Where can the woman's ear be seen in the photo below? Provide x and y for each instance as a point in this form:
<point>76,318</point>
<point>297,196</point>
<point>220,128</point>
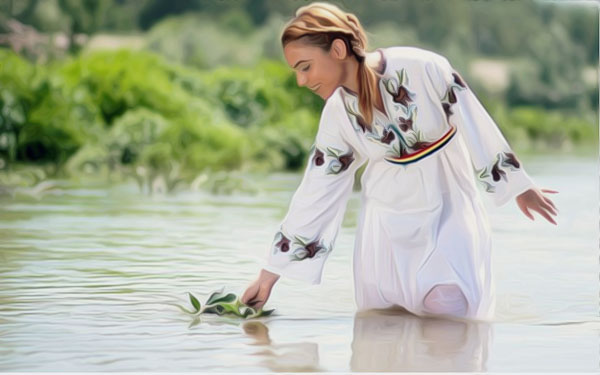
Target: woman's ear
<point>338,49</point>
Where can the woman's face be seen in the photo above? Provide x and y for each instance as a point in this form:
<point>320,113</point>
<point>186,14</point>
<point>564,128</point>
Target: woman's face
<point>319,70</point>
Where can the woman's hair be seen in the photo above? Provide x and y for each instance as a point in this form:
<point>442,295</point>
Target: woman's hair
<point>319,24</point>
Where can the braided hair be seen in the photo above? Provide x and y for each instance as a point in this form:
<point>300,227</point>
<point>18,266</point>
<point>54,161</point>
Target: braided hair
<point>319,24</point>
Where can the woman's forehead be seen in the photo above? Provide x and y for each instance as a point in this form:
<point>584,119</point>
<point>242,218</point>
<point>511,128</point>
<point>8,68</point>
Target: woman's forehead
<point>295,52</point>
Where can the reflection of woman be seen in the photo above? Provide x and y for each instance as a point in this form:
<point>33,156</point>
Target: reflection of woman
<point>423,240</point>
<point>386,341</point>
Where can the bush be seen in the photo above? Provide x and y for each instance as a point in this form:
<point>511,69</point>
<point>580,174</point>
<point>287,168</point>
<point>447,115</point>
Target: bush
<point>132,114</point>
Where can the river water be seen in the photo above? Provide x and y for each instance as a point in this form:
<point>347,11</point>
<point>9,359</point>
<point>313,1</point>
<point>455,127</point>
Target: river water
<point>90,277</point>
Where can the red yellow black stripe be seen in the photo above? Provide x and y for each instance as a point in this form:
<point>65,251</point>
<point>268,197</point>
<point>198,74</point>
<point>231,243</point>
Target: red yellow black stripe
<point>418,155</point>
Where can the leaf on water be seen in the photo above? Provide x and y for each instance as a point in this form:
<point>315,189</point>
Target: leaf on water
<point>266,312</point>
<point>217,297</point>
<point>220,303</point>
<point>222,308</point>
<point>195,302</point>
<point>248,311</point>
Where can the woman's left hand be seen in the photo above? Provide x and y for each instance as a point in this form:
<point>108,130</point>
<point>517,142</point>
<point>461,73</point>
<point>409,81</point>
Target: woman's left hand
<point>535,200</point>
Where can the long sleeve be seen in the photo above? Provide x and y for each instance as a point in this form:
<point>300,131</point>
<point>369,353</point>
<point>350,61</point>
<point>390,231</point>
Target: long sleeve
<point>307,234</point>
<point>495,164</point>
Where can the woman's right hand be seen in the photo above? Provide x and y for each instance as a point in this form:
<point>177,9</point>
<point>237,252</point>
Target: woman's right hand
<point>257,294</point>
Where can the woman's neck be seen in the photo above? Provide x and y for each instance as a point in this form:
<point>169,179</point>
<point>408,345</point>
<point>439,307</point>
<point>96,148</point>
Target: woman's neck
<point>350,70</point>
<point>350,75</point>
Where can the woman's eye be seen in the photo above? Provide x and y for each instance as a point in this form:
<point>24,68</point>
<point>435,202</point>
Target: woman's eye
<point>306,68</point>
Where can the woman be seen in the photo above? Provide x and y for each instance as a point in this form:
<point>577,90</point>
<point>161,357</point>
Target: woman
<point>423,239</point>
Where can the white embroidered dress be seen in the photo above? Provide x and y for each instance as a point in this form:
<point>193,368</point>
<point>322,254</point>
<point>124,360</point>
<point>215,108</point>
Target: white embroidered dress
<point>422,222</point>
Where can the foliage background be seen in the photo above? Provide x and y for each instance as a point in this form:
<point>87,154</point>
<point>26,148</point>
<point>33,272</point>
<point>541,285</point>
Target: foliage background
<point>177,90</point>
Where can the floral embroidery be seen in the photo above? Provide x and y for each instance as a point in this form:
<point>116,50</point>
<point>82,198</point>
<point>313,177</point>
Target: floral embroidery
<point>458,80</point>
<point>284,243</point>
<point>416,141</point>
<point>360,121</point>
<point>450,97</point>
<point>340,162</point>
<point>400,137</point>
<point>303,247</point>
<point>405,123</point>
<point>318,158</point>
<point>397,88</point>
<point>387,136</point>
<point>497,171</point>
<point>510,160</point>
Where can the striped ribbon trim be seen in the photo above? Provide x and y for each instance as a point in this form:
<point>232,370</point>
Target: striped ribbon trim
<point>418,155</point>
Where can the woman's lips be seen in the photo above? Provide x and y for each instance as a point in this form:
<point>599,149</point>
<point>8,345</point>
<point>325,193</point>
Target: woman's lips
<point>316,87</point>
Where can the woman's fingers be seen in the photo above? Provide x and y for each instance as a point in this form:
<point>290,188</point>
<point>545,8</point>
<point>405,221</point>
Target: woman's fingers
<point>259,300</point>
<point>548,207</point>
<point>250,294</point>
<point>256,303</point>
<point>255,296</point>
<point>549,191</point>
<point>549,201</point>
<point>526,212</point>
<point>543,213</point>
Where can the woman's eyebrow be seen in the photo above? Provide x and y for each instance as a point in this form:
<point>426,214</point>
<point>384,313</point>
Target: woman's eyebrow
<point>296,64</point>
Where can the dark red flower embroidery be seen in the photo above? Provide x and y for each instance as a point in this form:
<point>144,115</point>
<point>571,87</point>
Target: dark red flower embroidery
<point>361,122</point>
<point>458,80</point>
<point>405,123</point>
<point>497,173</point>
<point>419,145</point>
<point>312,249</point>
<point>511,159</point>
<point>318,159</point>
<point>402,96</point>
<point>387,137</point>
<point>447,109</point>
<point>451,96</point>
<point>283,244</point>
<point>359,119</point>
<point>346,160</point>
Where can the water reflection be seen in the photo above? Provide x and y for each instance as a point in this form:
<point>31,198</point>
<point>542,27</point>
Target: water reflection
<point>384,340</point>
<point>300,356</point>
<point>392,340</point>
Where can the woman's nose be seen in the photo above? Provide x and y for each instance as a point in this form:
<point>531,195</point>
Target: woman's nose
<point>301,79</point>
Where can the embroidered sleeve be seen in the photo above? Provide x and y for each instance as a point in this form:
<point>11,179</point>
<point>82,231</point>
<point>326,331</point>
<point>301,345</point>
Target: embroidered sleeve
<point>496,166</point>
<point>307,234</point>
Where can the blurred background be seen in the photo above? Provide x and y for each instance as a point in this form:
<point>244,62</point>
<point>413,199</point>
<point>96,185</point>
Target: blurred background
<point>168,92</point>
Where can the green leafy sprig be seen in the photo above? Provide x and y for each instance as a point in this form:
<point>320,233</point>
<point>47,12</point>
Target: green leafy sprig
<point>224,304</point>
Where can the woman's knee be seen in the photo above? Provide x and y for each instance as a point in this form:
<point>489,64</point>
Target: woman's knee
<point>445,299</point>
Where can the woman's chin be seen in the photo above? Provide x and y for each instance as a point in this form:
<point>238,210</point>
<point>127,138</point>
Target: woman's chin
<point>325,96</point>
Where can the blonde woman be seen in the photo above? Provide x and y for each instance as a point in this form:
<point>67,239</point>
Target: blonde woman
<point>423,240</point>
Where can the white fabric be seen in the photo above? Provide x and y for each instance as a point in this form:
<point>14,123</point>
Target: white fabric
<point>421,224</point>
<point>445,300</point>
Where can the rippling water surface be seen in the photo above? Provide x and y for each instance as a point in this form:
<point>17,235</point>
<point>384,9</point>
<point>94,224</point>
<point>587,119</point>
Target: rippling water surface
<point>89,278</point>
